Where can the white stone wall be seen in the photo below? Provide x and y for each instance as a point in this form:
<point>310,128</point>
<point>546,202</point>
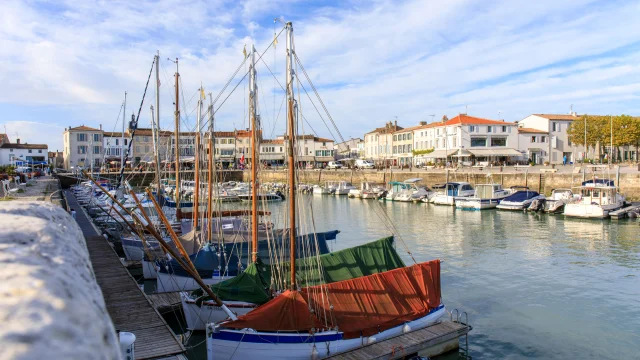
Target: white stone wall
<point>50,304</point>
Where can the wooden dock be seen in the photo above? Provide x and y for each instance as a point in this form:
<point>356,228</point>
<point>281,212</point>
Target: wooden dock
<point>431,341</point>
<point>164,302</point>
<point>129,308</point>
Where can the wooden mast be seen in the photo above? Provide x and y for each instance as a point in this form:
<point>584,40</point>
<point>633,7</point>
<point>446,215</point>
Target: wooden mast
<point>196,157</point>
<point>254,161</point>
<point>211,166</point>
<point>177,138</point>
<point>291,163</point>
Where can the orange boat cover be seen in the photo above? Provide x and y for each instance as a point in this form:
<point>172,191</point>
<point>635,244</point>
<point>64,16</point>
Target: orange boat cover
<point>362,306</point>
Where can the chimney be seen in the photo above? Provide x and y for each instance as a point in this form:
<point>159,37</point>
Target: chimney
<point>395,123</point>
<point>422,123</point>
<point>18,141</point>
<point>100,126</point>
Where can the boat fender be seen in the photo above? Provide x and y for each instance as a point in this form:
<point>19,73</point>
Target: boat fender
<point>127,341</point>
<point>314,353</point>
<point>371,340</point>
<point>406,328</point>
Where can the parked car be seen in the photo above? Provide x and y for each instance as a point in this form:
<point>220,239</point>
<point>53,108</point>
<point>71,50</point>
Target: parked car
<point>364,164</point>
<point>334,165</point>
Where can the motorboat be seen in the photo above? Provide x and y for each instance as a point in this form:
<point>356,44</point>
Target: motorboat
<point>343,188</point>
<point>487,196</point>
<point>372,191</point>
<point>395,188</point>
<point>412,192</point>
<point>451,191</point>
<point>596,199</point>
<point>327,189</point>
<point>519,200</point>
<point>555,203</point>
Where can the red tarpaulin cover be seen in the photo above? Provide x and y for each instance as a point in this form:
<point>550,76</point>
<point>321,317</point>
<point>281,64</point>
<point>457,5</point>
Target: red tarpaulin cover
<point>361,306</point>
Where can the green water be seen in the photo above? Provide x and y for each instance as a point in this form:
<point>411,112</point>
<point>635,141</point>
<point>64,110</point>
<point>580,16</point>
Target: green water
<point>534,285</point>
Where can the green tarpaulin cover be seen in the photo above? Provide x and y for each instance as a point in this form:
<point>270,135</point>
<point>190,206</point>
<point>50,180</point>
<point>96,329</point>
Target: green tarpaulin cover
<point>254,283</point>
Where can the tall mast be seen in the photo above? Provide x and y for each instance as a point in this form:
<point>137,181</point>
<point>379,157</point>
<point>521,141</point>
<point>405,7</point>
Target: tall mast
<point>156,127</point>
<point>211,166</point>
<point>196,194</point>
<point>177,137</point>
<point>156,157</point>
<point>291,164</point>
<point>253,91</point>
<point>124,120</point>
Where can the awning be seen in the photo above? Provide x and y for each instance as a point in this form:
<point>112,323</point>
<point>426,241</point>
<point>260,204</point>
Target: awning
<point>462,153</point>
<point>496,152</point>
<point>535,149</point>
<point>439,154</point>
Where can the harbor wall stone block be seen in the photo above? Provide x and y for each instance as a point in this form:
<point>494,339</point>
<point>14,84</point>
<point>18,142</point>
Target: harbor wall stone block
<point>50,304</point>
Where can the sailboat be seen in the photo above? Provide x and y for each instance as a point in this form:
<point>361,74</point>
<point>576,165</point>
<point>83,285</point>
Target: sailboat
<point>246,291</point>
<point>317,321</point>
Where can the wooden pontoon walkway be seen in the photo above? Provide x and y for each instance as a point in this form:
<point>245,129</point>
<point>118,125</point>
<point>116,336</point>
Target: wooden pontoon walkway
<point>129,308</point>
<point>433,340</point>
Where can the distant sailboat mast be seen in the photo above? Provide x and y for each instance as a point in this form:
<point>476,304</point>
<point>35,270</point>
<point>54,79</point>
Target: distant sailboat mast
<point>155,127</point>
<point>177,139</point>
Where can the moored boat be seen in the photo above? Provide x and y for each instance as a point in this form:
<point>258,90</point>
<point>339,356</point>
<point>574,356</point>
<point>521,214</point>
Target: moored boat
<point>519,200</point>
<point>595,200</point>
<point>487,196</point>
<point>451,191</point>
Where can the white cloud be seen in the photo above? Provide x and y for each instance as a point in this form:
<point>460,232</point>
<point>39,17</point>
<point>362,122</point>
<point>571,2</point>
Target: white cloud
<point>370,60</point>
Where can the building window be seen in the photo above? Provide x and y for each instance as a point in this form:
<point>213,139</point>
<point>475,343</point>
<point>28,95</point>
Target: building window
<point>454,142</point>
<point>82,137</point>
<point>533,139</point>
<point>478,141</point>
<point>96,149</point>
<point>553,124</point>
<point>437,143</point>
<point>30,151</point>
<point>96,137</point>
<point>504,129</point>
<point>498,141</point>
<point>39,151</point>
<point>471,128</point>
<point>117,142</point>
<point>82,149</point>
<point>543,139</point>
<point>409,136</point>
<point>488,129</point>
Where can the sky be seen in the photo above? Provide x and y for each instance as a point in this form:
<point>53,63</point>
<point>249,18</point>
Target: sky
<point>69,63</point>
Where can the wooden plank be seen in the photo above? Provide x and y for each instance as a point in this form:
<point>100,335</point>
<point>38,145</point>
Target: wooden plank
<point>409,343</point>
<point>129,308</point>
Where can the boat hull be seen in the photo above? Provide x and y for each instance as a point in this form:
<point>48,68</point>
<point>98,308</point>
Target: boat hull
<point>249,344</point>
<point>477,204</point>
<point>170,282</point>
<point>198,317</point>
<point>149,270</point>
<point>590,211</point>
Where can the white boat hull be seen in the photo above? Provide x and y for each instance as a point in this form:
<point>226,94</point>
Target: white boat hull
<point>198,317</point>
<point>477,204</point>
<point>444,200</point>
<point>172,283</point>
<point>591,211</point>
<point>249,344</point>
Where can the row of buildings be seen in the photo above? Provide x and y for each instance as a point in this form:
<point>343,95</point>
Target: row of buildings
<point>85,146</point>
<point>22,154</point>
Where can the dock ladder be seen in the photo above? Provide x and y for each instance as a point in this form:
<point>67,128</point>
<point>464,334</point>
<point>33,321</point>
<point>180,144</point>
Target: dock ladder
<point>462,318</point>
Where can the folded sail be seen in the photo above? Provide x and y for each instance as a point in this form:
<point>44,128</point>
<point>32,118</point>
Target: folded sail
<point>253,284</point>
<point>358,307</point>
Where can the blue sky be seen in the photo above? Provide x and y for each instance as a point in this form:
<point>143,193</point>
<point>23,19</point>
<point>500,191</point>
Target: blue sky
<point>68,63</point>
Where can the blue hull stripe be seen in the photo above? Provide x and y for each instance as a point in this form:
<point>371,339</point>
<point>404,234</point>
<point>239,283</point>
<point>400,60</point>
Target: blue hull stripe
<point>282,338</point>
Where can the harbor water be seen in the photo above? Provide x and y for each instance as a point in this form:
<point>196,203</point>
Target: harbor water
<point>534,285</point>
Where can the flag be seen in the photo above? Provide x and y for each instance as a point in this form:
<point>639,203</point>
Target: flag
<point>275,40</point>
<point>244,51</point>
<point>203,96</point>
<point>242,159</point>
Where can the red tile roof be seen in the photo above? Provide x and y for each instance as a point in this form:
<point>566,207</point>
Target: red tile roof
<point>531,130</point>
<point>24,146</point>
<point>272,141</point>
<point>387,129</point>
<point>463,119</point>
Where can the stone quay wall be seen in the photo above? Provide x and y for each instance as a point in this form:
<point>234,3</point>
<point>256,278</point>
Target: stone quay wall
<point>629,183</point>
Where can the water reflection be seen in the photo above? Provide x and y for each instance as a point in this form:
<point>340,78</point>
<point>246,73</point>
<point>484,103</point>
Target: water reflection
<point>534,285</point>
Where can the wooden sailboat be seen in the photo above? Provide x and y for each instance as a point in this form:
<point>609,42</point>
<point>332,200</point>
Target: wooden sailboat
<point>317,321</point>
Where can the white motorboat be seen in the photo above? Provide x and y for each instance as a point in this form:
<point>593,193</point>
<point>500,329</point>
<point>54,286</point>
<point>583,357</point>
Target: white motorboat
<point>324,190</point>
<point>451,191</point>
<point>487,196</point>
<point>519,200</point>
<point>343,188</point>
<point>596,200</point>
<point>555,203</point>
<point>412,191</point>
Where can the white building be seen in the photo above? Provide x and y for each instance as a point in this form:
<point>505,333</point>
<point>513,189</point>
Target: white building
<point>272,152</point>
<point>467,138</point>
<point>534,144</point>
<point>82,144</point>
<point>378,144</point>
<point>18,154</point>
<point>349,149</point>
<point>558,144</point>
<point>311,149</point>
